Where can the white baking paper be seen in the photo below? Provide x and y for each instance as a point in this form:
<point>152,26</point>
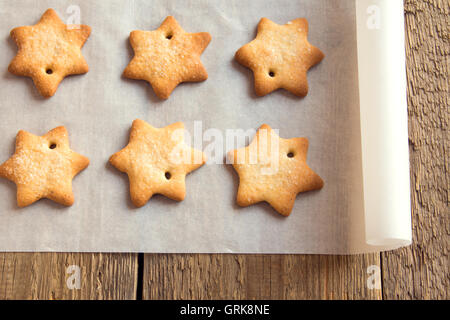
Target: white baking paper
<point>99,107</point>
<point>384,122</point>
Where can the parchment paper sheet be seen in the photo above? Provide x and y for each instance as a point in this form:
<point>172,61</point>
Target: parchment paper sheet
<point>98,108</point>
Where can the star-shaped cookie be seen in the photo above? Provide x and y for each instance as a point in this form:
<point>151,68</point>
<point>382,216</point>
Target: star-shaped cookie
<point>274,170</point>
<point>157,161</point>
<point>280,57</point>
<point>167,56</point>
<point>43,167</point>
<point>49,51</point>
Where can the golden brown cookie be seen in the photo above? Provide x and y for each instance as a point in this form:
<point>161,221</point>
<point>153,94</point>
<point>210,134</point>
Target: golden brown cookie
<point>274,170</point>
<point>167,56</point>
<point>49,51</point>
<point>280,57</point>
<point>43,167</point>
<point>157,161</point>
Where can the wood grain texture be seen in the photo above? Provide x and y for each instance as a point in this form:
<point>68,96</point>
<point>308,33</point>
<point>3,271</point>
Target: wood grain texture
<point>44,276</point>
<point>418,272</point>
<point>230,276</point>
<point>422,270</point>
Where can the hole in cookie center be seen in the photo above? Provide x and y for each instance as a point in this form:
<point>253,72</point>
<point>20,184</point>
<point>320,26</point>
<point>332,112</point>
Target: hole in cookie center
<point>49,71</point>
<point>52,146</point>
<point>169,36</point>
<point>290,155</point>
<point>168,175</point>
<point>271,73</point>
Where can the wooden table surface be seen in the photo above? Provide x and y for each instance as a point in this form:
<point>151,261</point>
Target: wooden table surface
<point>417,272</point>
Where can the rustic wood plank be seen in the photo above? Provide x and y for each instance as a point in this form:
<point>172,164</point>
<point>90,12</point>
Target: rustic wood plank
<point>422,270</point>
<point>230,276</point>
<point>44,276</point>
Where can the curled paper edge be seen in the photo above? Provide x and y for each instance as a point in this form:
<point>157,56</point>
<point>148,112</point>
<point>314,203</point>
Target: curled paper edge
<point>384,123</point>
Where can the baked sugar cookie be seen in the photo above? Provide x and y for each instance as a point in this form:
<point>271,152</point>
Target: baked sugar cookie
<point>280,57</point>
<point>274,170</point>
<point>49,51</point>
<point>43,167</point>
<point>167,56</point>
<point>157,161</point>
